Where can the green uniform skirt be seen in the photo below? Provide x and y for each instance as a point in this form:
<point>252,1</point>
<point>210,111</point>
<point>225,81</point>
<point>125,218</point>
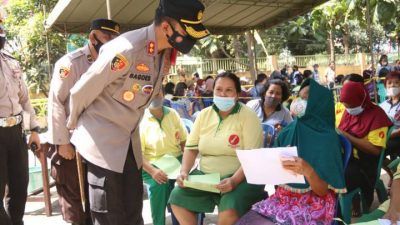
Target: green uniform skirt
<point>240,199</point>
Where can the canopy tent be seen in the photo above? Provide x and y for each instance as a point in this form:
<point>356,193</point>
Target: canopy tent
<point>221,16</point>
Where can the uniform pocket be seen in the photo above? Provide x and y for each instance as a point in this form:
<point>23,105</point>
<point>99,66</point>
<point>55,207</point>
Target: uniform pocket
<point>97,193</point>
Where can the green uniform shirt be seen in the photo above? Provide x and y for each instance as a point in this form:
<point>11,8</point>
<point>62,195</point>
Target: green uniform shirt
<point>217,138</point>
<point>160,137</point>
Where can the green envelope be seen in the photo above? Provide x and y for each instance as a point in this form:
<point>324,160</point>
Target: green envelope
<point>169,165</point>
<point>205,182</point>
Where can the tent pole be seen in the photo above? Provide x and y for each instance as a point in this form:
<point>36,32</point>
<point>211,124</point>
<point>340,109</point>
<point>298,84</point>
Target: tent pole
<point>108,9</point>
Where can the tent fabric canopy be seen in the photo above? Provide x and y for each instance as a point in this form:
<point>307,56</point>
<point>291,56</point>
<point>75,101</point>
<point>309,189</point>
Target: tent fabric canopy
<point>221,16</point>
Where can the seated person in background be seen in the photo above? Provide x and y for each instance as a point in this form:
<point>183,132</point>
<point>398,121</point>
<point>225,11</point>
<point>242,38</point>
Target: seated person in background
<point>365,125</point>
<point>168,93</point>
<point>391,107</point>
<point>269,108</point>
<point>259,85</point>
<point>161,133</point>
<point>319,161</point>
<point>390,209</point>
<point>180,97</point>
<point>218,131</point>
<point>339,107</point>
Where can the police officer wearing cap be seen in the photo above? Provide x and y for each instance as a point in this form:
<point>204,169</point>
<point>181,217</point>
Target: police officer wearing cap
<point>68,70</point>
<point>108,102</point>
<point>14,100</point>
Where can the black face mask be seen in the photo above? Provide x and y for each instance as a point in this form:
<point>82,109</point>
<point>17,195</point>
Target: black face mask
<point>98,45</point>
<point>2,42</point>
<point>184,46</point>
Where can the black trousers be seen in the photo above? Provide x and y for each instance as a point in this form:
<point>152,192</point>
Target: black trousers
<point>116,198</point>
<point>357,177</point>
<point>13,173</point>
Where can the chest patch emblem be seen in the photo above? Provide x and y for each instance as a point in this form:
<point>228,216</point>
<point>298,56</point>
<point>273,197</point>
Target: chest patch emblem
<point>234,140</point>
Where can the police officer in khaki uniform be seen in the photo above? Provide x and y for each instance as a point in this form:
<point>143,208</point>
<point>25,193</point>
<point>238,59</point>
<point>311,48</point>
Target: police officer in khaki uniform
<point>108,102</point>
<point>67,72</point>
<point>14,99</point>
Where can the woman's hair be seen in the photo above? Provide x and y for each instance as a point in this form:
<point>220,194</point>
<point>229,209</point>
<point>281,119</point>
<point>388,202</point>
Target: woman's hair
<point>180,90</point>
<point>260,78</point>
<point>383,57</point>
<point>353,77</point>
<point>307,73</point>
<point>284,88</point>
<point>233,78</point>
<point>391,75</point>
<point>169,88</point>
<point>208,77</point>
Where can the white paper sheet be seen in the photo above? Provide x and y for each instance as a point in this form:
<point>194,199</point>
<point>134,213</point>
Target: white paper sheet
<point>264,166</point>
<point>386,222</point>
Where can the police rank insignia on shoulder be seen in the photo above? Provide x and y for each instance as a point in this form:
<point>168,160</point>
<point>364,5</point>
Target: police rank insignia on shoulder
<point>64,72</point>
<point>119,62</point>
<point>151,47</point>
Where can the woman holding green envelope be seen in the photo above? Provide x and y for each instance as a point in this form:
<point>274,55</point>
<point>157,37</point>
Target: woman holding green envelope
<point>163,137</point>
<point>218,131</point>
<point>319,161</point>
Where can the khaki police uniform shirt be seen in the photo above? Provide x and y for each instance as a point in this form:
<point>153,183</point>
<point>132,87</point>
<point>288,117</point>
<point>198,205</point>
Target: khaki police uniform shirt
<point>14,95</point>
<point>67,71</point>
<point>108,101</point>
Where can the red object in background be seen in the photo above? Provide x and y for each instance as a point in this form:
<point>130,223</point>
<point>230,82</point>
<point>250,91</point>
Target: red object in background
<point>174,55</point>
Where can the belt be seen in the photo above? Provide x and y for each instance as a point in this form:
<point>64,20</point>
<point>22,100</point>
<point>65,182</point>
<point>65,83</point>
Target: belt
<point>10,121</point>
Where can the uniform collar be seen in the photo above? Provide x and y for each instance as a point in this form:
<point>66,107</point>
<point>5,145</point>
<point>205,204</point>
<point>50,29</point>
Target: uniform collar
<point>149,115</point>
<point>151,43</point>
<point>235,109</point>
<point>87,53</point>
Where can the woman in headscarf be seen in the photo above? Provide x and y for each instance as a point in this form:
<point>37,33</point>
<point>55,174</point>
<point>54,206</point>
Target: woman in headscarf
<point>365,125</point>
<point>319,161</point>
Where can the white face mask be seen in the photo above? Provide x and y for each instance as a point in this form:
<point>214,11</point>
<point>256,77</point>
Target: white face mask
<point>393,91</point>
<point>355,111</point>
<point>298,107</point>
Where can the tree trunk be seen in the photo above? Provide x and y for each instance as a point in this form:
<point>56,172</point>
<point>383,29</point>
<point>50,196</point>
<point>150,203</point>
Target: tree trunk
<point>250,53</point>
<point>332,45</point>
<point>346,37</point>
<point>369,31</point>
<point>236,46</point>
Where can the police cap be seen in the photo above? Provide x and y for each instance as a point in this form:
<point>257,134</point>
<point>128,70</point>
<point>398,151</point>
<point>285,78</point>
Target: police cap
<point>105,25</point>
<point>189,13</point>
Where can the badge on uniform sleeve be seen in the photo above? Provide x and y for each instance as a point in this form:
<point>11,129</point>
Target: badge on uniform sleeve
<point>233,140</point>
<point>119,62</point>
<point>147,89</point>
<point>142,67</point>
<point>128,96</point>
<point>64,72</point>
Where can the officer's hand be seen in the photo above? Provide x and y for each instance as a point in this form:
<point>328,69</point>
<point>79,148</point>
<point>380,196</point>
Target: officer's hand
<point>159,176</point>
<point>34,138</point>
<point>226,185</point>
<point>66,151</point>
<point>180,178</point>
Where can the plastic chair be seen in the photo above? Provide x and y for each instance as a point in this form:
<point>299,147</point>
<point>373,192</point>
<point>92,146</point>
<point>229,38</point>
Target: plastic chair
<point>393,165</point>
<point>188,124</point>
<point>208,102</point>
<point>181,109</point>
<point>346,199</point>
<point>381,91</point>
<point>269,131</point>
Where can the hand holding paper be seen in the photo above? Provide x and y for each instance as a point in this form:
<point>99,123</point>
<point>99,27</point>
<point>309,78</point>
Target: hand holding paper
<point>169,165</point>
<point>207,182</point>
<point>264,166</point>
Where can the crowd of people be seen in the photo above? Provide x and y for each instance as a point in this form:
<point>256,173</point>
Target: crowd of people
<point>108,104</point>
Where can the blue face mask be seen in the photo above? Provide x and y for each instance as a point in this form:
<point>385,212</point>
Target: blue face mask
<point>224,103</point>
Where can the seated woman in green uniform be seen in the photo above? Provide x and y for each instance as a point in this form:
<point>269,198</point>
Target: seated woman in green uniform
<point>161,133</point>
<point>218,131</point>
